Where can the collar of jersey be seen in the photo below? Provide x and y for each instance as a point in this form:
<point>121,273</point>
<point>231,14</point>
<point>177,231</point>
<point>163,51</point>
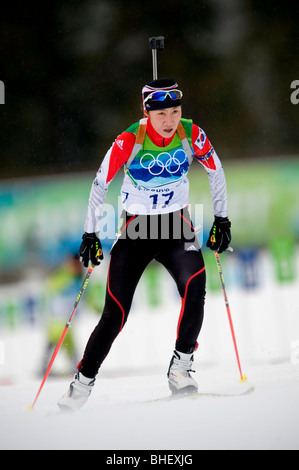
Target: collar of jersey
<point>156,138</point>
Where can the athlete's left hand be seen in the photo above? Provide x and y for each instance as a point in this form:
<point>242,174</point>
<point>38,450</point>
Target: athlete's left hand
<point>220,236</point>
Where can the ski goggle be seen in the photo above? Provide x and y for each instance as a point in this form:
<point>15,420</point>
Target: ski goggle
<point>162,95</point>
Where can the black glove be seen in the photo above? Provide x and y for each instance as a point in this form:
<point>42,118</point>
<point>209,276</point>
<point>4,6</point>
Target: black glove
<point>220,236</point>
<point>90,250</point>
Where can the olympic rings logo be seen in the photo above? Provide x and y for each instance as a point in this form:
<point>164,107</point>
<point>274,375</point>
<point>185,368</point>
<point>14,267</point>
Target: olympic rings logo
<point>163,161</point>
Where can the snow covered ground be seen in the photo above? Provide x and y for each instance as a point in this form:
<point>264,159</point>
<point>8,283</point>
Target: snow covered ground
<point>119,414</point>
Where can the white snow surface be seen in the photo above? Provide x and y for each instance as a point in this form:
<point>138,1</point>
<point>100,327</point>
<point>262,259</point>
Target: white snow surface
<point>120,415</point>
<point>117,416</point>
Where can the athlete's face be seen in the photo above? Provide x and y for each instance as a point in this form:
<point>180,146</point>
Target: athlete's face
<point>165,121</point>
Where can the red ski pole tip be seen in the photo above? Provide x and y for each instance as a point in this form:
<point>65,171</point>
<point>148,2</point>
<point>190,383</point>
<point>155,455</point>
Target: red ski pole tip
<point>29,407</point>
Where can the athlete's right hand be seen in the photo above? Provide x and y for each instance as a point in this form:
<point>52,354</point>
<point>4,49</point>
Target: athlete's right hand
<point>90,250</point>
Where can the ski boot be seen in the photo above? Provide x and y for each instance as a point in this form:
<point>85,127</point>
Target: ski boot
<point>77,394</point>
<point>179,378</point>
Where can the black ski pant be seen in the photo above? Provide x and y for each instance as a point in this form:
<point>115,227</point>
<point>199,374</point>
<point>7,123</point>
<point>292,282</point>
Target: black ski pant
<point>130,255</point>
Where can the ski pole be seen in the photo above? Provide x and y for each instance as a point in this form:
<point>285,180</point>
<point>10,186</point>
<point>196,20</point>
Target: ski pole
<point>243,378</point>
<point>67,325</point>
<point>156,43</point>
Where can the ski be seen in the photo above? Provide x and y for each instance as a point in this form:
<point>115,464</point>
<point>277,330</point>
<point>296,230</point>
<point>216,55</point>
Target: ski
<point>196,395</point>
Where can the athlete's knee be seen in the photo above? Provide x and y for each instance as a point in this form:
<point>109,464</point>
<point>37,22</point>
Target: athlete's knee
<point>196,284</point>
<point>113,317</point>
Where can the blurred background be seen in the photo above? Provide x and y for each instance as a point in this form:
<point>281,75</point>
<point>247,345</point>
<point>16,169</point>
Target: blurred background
<point>73,73</point>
